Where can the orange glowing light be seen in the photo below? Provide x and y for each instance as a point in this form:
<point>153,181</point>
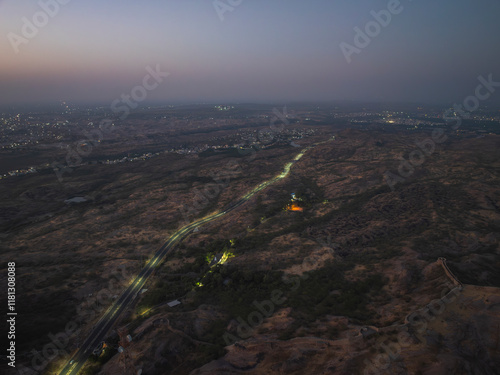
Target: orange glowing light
<point>294,207</point>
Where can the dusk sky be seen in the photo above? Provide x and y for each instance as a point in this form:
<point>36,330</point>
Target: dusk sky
<point>264,50</point>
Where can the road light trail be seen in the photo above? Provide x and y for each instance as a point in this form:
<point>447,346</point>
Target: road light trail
<point>111,315</point>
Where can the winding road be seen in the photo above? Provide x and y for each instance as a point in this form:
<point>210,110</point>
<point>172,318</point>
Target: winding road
<point>74,365</point>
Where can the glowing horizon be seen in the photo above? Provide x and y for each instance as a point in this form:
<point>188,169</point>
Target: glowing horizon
<point>284,50</point>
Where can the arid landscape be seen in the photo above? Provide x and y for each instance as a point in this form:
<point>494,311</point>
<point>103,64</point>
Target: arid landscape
<point>350,283</point>
<point>250,187</point>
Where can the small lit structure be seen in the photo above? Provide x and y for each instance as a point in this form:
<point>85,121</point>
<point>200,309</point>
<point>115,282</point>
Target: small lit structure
<point>294,207</point>
<point>220,258</point>
<point>217,258</point>
<point>75,200</point>
<point>173,303</point>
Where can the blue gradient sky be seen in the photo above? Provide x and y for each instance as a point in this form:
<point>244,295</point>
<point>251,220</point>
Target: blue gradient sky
<point>265,50</point>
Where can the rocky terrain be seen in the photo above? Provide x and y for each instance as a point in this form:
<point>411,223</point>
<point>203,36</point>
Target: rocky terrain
<point>416,322</point>
<point>346,281</point>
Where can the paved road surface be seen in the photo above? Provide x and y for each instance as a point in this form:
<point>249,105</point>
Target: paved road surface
<point>110,317</point>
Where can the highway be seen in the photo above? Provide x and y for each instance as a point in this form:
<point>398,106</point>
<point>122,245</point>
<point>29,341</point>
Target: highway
<point>104,325</point>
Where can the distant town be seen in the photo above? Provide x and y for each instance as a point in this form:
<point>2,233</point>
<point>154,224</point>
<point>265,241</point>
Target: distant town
<point>55,131</point>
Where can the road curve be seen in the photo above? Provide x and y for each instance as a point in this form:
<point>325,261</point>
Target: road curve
<point>74,365</point>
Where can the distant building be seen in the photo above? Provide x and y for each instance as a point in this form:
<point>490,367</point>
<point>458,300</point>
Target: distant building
<point>75,200</point>
<point>173,303</point>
